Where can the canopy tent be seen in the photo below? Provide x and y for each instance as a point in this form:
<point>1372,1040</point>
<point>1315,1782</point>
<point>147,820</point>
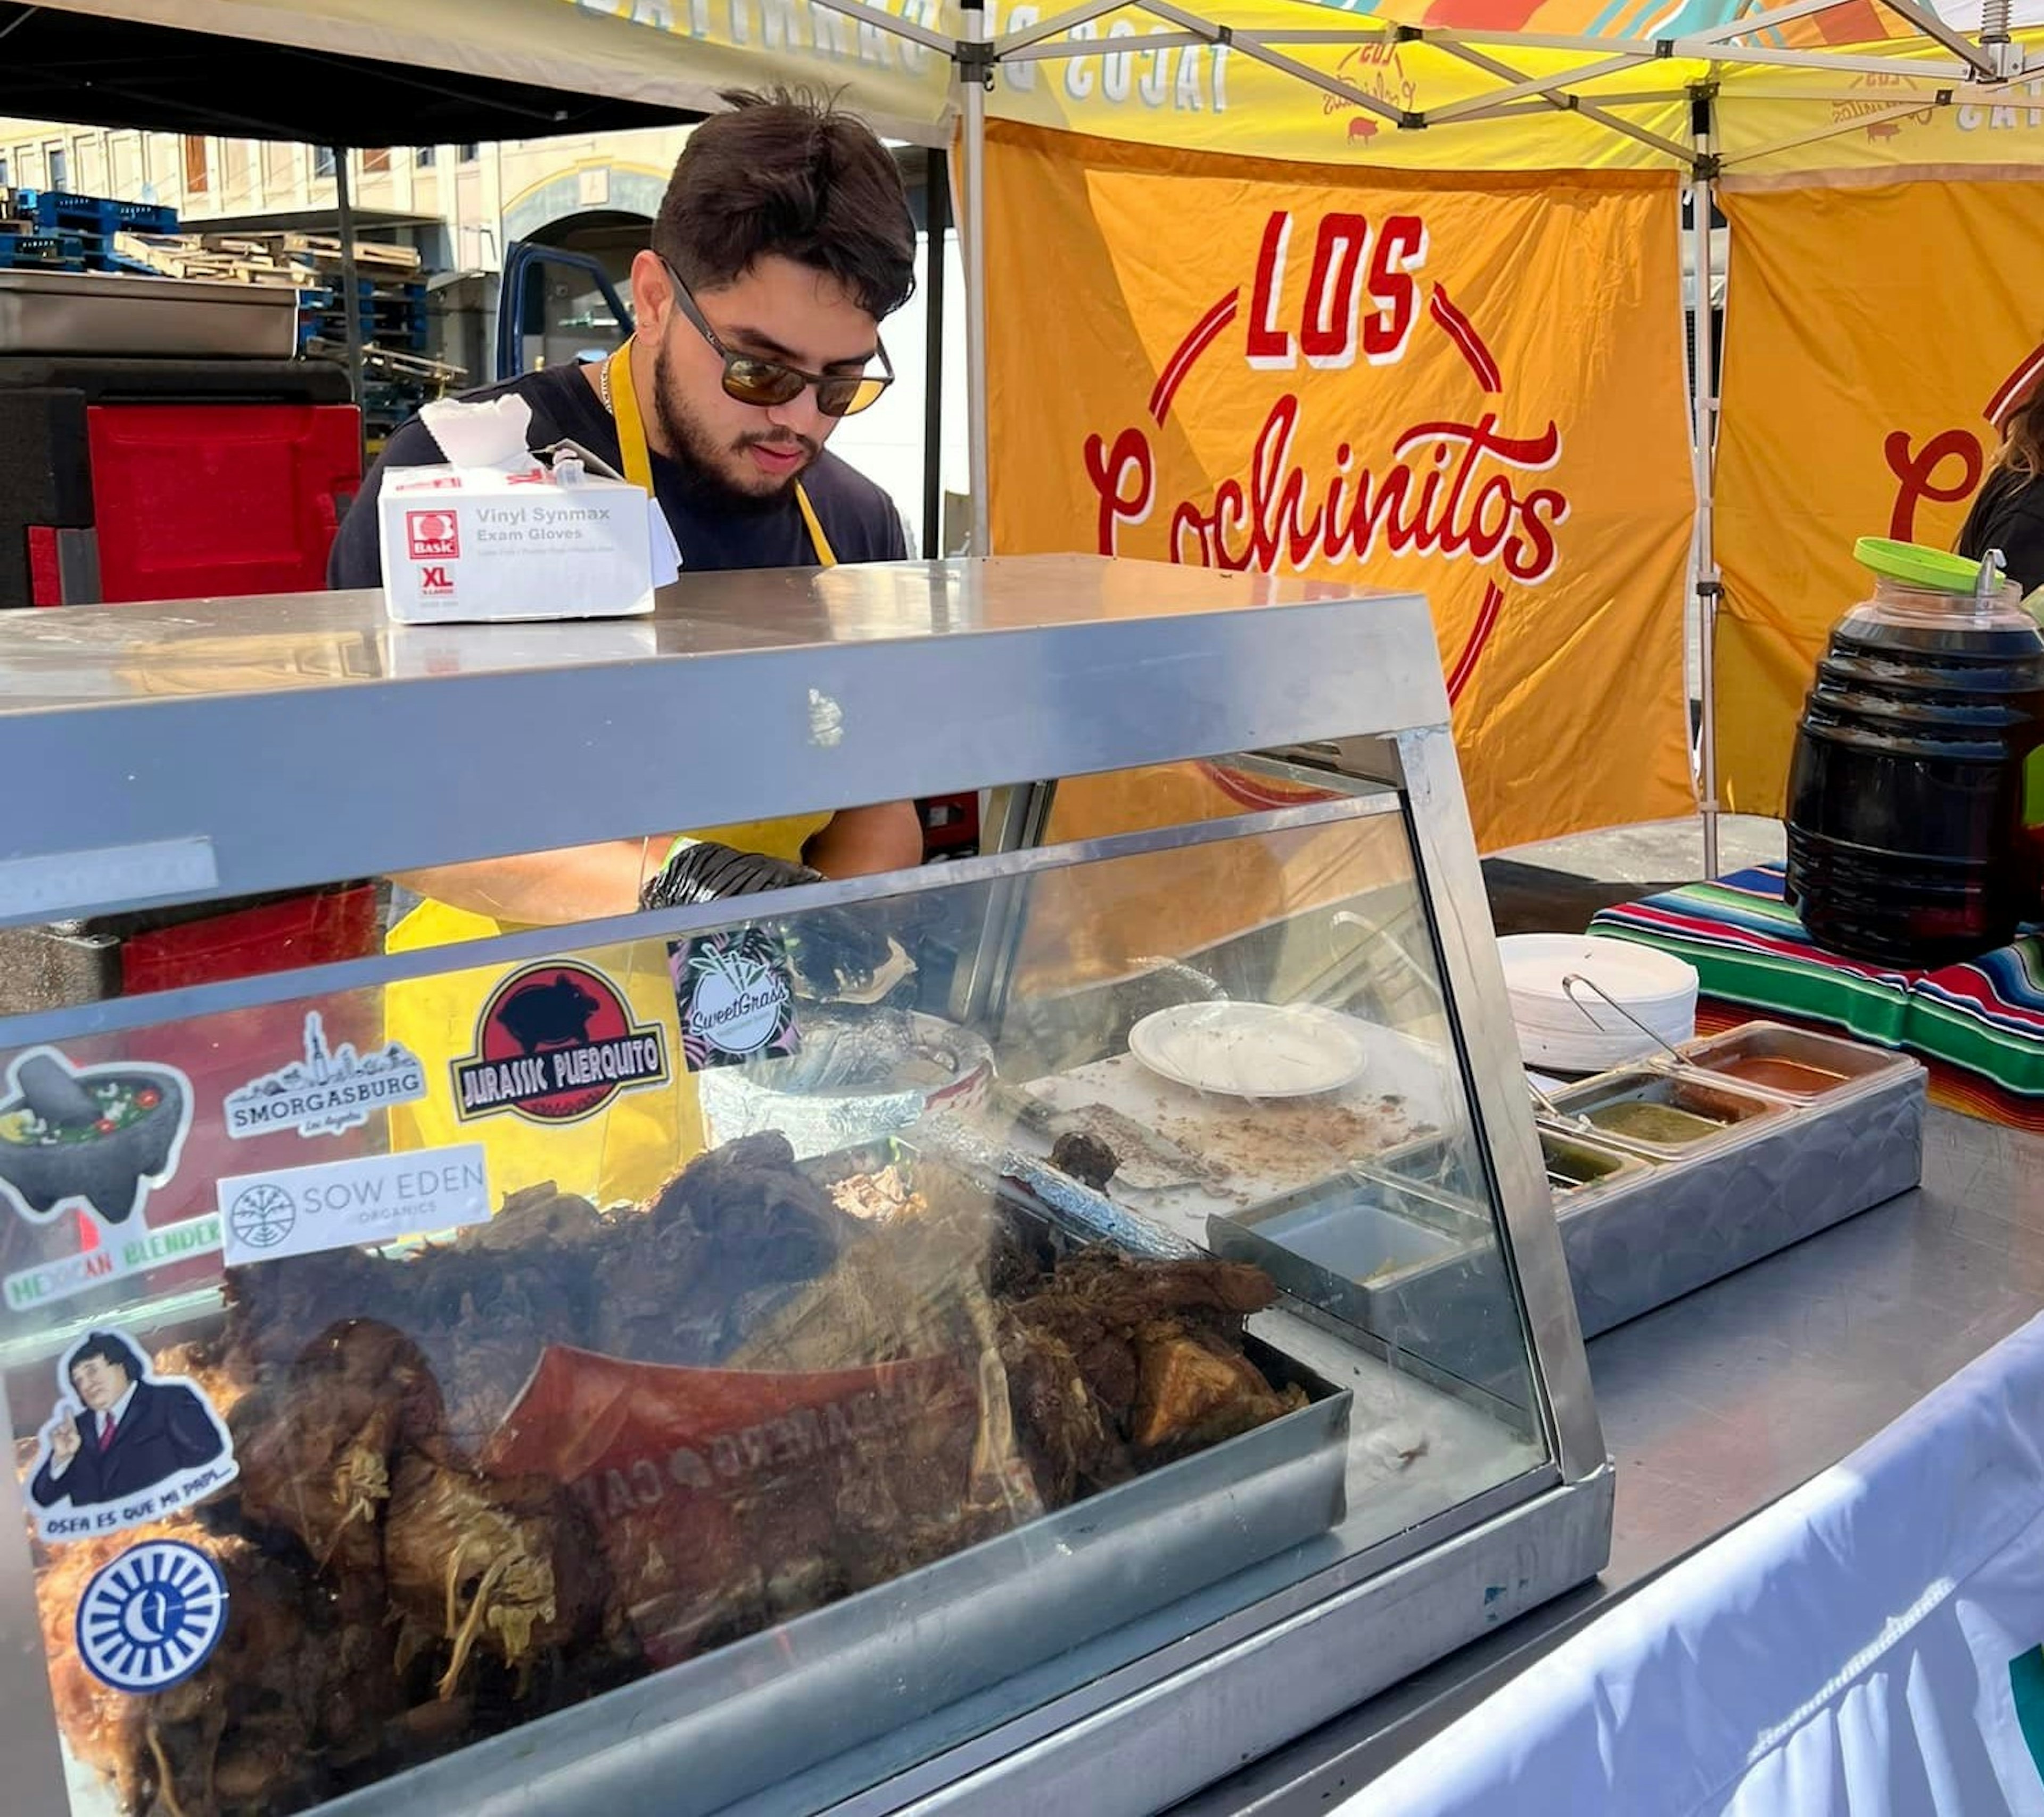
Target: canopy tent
<point>1717,89</point>
<point>1562,85</point>
<point>382,72</point>
<point>1712,88</point>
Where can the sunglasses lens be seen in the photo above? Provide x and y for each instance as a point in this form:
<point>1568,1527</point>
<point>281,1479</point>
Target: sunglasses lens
<point>759,381</point>
<point>848,397</point>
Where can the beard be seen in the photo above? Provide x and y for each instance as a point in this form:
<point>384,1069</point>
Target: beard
<point>707,464</point>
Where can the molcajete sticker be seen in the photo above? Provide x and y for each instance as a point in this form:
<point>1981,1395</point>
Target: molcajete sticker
<point>555,1043</point>
<point>97,1137</point>
<point>95,1140</point>
<point>735,996</point>
<point>123,1446</point>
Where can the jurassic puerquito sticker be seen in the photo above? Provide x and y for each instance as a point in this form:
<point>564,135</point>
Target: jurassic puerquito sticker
<point>95,1140</point>
<point>736,994</point>
<point>555,1043</point>
<point>123,1446</point>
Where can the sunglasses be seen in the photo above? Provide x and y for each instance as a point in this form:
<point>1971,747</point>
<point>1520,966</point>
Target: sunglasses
<point>753,380</point>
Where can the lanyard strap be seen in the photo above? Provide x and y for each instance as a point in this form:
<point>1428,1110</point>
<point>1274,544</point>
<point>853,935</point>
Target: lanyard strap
<point>636,457</point>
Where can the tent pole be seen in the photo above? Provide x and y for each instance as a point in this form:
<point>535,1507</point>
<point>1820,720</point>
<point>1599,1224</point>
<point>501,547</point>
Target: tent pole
<point>974,78</point>
<point>1703,196</point>
<point>350,300</point>
<point>936,220</point>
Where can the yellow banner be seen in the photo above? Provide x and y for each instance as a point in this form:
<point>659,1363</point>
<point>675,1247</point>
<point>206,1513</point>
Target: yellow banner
<point>1869,331</point>
<point>1468,387</point>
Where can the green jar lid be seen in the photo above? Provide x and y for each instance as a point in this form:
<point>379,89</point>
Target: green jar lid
<point>1916,566</point>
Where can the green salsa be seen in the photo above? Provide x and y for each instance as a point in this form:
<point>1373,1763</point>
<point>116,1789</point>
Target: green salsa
<point>1660,1123</point>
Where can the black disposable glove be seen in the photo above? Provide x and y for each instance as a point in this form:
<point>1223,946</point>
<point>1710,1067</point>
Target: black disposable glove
<point>835,952</point>
<point>707,872</point>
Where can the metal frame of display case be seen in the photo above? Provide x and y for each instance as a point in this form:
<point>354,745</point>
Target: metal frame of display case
<point>188,751</point>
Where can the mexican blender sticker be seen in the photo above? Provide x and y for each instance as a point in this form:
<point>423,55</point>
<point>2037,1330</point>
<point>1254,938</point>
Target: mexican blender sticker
<point>123,1446</point>
<point>556,1043</point>
<point>95,1137</point>
<point>736,995</point>
<point>151,1617</point>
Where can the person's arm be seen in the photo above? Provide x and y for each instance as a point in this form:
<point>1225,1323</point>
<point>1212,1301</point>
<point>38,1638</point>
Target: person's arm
<point>859,841</point>
<point>585,883</point>
<point>547,889</point>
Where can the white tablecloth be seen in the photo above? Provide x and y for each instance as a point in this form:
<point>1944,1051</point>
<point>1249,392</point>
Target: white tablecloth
<point>1868,1645</point>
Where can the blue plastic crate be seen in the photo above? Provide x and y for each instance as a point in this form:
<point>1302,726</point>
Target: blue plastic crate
<point>42,251</point>
<point>94,214</point>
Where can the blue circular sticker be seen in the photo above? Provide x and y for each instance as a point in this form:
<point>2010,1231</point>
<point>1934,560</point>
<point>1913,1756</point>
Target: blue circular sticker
<point>152,1616</point>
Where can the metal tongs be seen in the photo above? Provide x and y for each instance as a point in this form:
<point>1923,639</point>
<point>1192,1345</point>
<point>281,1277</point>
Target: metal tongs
<point>1569,990</point>
<point>1553,1109</point>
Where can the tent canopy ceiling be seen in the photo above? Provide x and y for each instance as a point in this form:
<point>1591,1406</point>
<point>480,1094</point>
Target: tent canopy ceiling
<point>115,70</point>
<point>1489,84</point>
<point>1412,85</point>
<point>385,72</point>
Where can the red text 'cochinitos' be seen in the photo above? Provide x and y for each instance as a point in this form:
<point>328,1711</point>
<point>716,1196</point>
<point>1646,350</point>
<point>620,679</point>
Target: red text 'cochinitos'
<point>1449,487</point>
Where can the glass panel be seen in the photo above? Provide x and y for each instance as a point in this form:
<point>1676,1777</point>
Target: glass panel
<point>820,1338</point>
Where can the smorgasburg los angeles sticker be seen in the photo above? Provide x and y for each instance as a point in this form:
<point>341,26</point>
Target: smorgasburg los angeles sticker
<point>555,1043</point>
<point>331,1091</point>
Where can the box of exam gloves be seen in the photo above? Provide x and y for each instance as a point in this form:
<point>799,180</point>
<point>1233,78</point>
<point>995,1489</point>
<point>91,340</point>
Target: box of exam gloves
<point>494,534</point>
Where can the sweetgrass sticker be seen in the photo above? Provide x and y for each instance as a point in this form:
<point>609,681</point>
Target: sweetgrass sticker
<point>734,993</point>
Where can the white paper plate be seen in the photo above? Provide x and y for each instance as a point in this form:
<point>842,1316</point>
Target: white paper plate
<point>1638,977</point>
<point>1251,1049</point>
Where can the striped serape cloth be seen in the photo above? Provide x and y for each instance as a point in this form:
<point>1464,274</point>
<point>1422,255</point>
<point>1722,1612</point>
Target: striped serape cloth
<point>1979,1026</point>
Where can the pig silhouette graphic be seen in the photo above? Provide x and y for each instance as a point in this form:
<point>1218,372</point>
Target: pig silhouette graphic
<point>553,1014</point>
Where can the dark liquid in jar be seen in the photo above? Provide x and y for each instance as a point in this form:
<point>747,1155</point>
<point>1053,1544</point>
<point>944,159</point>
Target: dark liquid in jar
<point>1660,1123</point>
<point>1790,1077</point>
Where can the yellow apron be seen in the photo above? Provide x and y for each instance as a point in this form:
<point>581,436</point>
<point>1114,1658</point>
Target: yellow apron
<point>628,1148</point>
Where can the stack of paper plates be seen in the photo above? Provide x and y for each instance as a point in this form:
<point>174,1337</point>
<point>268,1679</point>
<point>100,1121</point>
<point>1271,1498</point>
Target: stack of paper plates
<point>1581,1032</point>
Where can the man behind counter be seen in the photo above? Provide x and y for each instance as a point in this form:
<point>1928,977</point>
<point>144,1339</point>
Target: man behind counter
<point>784,238</point>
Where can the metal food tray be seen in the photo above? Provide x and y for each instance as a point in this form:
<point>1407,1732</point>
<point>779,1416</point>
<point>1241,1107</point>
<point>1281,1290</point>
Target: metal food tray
<point>739,1719</point>
<point>103,313</point>
<point>1402,1263</point>
<point>1644,1238</point>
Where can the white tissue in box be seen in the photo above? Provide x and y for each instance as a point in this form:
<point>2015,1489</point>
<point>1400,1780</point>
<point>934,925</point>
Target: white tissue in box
<point>464,544</point>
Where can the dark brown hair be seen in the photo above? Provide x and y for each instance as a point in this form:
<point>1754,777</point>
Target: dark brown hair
<point>2022,440</point>
<point>786,173</point>
<point>104,1347</point>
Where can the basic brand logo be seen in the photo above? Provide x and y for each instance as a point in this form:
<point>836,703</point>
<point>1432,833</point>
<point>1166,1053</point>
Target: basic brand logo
<point>556,1043</point>
<point>432,535</point>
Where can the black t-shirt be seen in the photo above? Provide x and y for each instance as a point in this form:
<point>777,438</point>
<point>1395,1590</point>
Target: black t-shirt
<point>2008,515</point>
<point>857,518</point>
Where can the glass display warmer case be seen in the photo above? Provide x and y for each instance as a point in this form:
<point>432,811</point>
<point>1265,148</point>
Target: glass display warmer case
<point>1028,1332</point>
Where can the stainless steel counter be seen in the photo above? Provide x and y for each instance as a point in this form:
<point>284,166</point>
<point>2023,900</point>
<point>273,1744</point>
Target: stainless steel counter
<point>1715,1406</point>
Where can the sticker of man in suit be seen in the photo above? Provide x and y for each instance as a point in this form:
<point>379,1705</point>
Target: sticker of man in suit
<point>125,1446</point>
